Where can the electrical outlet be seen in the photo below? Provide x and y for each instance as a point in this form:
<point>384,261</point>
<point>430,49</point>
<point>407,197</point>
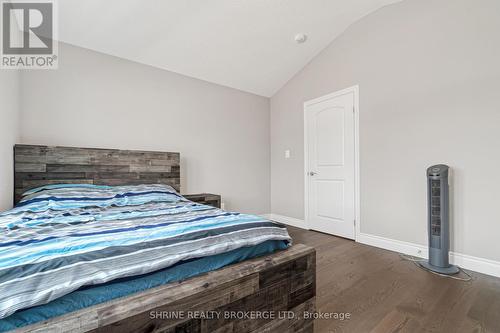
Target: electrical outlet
<point>287,153</point>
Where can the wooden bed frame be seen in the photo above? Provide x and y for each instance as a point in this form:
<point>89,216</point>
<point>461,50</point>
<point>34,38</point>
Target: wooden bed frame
<point>266,294</point>
<point>36,166</point>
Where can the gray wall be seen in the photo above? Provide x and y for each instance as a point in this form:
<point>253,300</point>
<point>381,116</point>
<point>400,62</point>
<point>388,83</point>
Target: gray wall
<point>429,78</point>
<point>9,131</point>
<point>95,100</point>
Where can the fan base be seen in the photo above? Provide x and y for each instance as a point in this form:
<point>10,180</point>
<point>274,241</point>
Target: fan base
<point>450,270</point>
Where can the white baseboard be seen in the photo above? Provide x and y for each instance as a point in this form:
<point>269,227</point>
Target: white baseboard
<point>286,220</point>
<point>481,265</point>
<point>393,245</point>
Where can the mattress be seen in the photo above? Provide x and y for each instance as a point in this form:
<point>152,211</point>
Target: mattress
<point>60,238</point>
<point>92,295</point>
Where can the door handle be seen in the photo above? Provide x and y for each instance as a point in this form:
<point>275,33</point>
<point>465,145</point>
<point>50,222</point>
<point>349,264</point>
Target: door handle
<point>312,173</point>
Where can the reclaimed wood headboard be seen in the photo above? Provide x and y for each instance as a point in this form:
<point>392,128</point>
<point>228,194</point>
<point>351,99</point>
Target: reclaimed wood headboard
<point>36,166</point>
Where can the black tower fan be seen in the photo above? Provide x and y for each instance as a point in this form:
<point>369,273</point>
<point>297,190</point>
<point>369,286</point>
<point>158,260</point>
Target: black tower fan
<point>438,201</point>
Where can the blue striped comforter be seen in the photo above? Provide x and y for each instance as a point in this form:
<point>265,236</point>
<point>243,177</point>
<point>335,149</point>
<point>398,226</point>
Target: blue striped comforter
<point>62,237</point>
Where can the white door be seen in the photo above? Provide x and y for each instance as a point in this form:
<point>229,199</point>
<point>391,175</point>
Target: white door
<point>330,165</point>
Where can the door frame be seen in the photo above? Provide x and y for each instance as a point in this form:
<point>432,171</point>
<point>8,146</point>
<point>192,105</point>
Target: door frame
<point>357,211</point>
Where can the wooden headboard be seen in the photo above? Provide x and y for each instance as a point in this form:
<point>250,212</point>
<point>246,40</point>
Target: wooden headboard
<point>36,166</point>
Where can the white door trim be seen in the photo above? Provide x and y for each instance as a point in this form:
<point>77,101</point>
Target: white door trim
<point>355,91</point>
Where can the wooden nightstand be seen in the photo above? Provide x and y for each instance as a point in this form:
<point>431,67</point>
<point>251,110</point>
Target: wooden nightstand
<point>205,198</point>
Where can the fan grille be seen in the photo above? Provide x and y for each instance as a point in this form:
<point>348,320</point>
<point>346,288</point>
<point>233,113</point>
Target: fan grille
<point>435,207</point>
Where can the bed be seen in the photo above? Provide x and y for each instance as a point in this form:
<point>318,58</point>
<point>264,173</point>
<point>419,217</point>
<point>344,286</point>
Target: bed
<point>101,240</point>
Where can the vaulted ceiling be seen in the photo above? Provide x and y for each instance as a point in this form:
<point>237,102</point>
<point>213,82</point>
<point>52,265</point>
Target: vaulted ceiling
<point>244,44</point>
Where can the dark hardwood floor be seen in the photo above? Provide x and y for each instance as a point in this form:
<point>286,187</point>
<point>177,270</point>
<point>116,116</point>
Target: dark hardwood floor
<point>384,293</point>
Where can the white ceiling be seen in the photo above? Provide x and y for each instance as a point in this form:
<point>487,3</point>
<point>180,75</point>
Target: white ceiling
<point>244,44</point>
